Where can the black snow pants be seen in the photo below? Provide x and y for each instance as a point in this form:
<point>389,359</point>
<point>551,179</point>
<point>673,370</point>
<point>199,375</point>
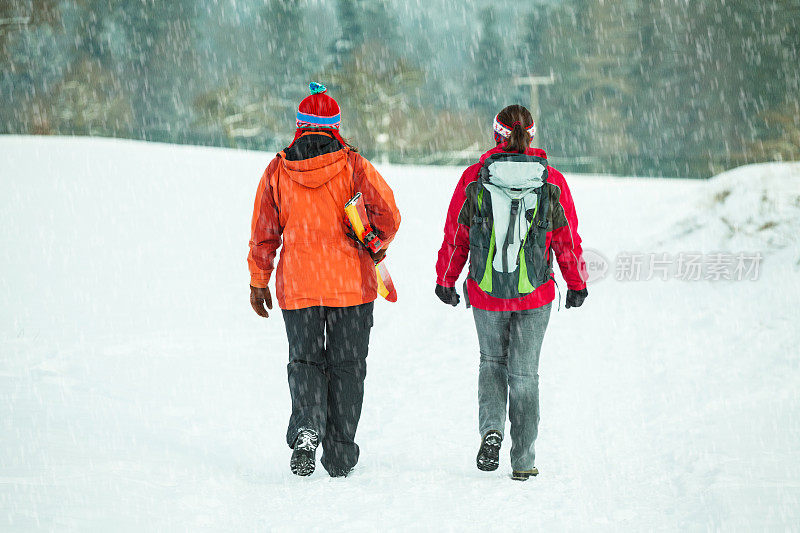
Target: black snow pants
<point>327,366</point>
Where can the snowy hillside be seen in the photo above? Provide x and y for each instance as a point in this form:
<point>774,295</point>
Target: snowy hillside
<point>139,391</point>
<point>751,207</point>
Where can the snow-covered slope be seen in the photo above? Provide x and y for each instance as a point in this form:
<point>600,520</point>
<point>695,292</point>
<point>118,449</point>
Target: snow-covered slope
<point>138,390</point>
<point>755,207</point>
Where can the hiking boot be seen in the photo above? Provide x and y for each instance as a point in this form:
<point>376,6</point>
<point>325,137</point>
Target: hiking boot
<point>489,455</point>
<point>523,475</point>
<point>340,472</point>
<point>304,452</point>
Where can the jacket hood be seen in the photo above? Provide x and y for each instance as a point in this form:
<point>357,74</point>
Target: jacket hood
<point>311,144</point>
<point>500,148</point>
<point>316,171</point>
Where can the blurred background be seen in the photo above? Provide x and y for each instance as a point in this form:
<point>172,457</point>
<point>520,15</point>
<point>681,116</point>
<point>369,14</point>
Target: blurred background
<point>634,87</point>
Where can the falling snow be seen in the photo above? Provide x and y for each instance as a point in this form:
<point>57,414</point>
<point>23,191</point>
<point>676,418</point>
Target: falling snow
<point>139,391</point>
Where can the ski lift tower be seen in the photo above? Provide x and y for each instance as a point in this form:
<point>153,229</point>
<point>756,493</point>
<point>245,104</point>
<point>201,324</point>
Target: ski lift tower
<point>534,82</point>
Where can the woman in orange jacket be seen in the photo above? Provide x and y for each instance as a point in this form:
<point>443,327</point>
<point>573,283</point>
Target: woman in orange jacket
<point>325,282</point>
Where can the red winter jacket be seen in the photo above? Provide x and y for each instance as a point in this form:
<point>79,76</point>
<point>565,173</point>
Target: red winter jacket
<point>563,239</point>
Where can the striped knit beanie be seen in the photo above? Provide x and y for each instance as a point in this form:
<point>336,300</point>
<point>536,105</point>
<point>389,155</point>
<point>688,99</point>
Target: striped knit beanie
<point>318,111</point>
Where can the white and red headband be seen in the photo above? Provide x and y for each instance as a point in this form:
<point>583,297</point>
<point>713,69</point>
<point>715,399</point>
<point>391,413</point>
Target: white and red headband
<point>504,130</point>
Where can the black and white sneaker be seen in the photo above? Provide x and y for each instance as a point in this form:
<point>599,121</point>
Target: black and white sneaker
<point>303,455</point>
<point>489,455</point>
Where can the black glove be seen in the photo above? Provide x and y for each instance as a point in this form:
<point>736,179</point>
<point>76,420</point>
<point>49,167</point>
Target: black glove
<point>448,295</point>
<point>576,298</point>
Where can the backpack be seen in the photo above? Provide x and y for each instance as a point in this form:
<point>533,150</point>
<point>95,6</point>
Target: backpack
<point>508,230</point>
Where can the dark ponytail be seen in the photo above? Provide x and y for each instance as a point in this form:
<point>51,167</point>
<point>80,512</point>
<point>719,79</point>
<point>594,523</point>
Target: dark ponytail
<point>519,119</point>
<point>519,140</point>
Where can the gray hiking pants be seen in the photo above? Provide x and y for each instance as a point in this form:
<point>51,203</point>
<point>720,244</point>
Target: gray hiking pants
<point>510,342</point>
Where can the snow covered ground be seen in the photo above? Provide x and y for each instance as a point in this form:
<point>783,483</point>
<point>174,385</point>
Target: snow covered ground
<point>138,390</point>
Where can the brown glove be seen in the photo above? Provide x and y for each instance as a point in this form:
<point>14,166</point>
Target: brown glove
<point>378,256</point>
<point>259,297</point>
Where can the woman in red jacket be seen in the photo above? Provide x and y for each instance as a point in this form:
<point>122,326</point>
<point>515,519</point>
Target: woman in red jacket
<point>510,213</point>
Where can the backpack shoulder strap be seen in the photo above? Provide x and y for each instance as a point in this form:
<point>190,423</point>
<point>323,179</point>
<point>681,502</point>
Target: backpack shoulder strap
<point>544,202</point>
<point>276,191</point>
<point>352,159</point>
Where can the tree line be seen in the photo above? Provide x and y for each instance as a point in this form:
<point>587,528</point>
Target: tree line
<point>672,88</point>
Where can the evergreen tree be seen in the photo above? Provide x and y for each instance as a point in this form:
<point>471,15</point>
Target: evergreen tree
<point>491,75</point>
<point>711,77</point>
<point>380,25</point>
<point>777,135</point>
<point>159,61</point>
<point>282,42</point>
<point>533,50</point>
<point>373,82</point>
<point>29,31</point>
<point>351,35</point>
<point>535,56</point>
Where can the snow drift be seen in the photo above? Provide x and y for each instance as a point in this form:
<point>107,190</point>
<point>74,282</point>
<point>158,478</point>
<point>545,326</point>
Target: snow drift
<point>755,207</point>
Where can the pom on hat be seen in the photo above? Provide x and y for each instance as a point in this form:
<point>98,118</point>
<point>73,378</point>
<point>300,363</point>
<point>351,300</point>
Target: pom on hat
<point>316,88</point>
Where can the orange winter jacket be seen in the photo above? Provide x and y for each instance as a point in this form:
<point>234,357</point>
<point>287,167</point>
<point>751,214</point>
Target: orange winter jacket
<point>302,204</point>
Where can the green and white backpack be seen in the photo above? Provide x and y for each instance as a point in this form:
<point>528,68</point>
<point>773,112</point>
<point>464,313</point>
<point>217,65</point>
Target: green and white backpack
<point>508,224</point>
